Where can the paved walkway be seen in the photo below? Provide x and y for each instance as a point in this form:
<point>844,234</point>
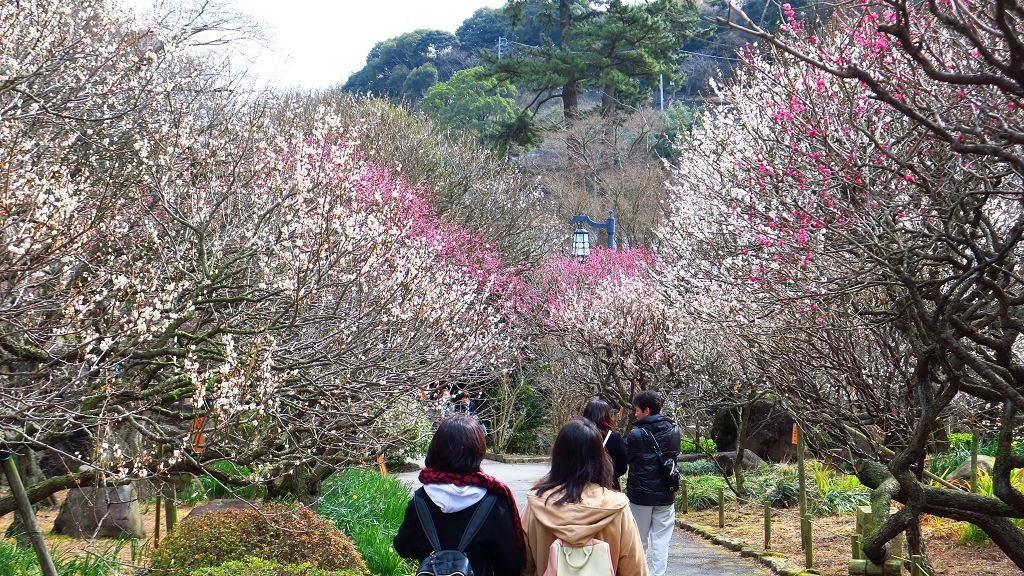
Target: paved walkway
<point>687,555</point>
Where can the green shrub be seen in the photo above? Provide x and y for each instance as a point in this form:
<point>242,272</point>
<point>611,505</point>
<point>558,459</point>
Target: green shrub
<point>707,446</point>
<point>778,485</point>
<point>261,567</point>
<point>698,468</point>
<point>835,493</point>
<point>285,534</point>
<point>369,508</point>
<point>967,533</point>
<point>702,491</point>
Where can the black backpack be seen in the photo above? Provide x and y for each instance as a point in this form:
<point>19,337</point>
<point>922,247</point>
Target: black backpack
<point>669,471</point>
<point>450,562</point>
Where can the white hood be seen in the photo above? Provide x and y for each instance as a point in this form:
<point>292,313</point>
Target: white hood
<point>452,498</point>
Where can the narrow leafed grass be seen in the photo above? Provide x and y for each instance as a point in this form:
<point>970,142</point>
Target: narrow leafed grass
<point>19,561</point>
<point>368,508</point>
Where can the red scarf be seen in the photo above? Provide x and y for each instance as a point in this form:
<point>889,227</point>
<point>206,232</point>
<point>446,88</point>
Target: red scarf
<point>489,483</point>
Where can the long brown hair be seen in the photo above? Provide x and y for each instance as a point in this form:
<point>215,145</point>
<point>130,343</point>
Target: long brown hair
<point>458,446</point>
<point>600,413</point>
<point>578,458</point>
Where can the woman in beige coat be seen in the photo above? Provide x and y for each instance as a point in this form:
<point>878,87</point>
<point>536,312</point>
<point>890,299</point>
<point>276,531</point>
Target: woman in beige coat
<point>574,503</point>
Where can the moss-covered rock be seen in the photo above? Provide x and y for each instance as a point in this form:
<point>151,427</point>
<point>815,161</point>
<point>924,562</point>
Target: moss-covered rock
<point>287,535</point>
<point>260,567</point>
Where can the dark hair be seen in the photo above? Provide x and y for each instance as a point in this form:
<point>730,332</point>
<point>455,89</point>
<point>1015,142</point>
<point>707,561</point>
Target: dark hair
<point>648,399</point>
<point>600,413</point>
<point>578,458</point>
<point>457,447</point>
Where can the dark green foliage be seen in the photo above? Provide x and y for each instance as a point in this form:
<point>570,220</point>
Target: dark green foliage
<point>959,451</point>
<point>419,81</point>
<point>702,491</point>
<point>369,508</point>
<point>471,103</point>
<point>698,468</point>
<point>707,446</point>
<point>260,567</point>
<point>828,492</point>
<point>482,30</point>
<point>285,534</point>
<point>391,64</point>
<point>678,119</point>
<point>617,48</point>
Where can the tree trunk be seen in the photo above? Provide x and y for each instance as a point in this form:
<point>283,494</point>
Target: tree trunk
<point>989,514</point>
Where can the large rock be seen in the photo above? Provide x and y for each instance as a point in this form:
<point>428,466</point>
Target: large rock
<point>770,434</point>
<point>108,512</point>
<point>65,454</point>
<point>727,461</point>
<point>963,471</point>
<point>219,505</point>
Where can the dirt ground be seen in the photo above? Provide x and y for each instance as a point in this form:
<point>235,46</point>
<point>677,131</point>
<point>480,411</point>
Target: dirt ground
<point>831,536</point>
<point>65,545</point>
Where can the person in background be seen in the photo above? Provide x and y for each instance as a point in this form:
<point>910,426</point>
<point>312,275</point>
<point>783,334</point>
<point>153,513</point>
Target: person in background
<point>650,499</point>
<point>600,413</point>
<point>574,503</point>
<point>453,486</point>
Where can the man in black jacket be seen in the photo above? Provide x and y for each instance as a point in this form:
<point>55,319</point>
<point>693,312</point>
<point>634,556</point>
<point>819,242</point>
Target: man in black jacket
<point>650,499</point>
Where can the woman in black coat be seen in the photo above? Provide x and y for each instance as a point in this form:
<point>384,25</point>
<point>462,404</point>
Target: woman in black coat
<point>600,413</point>
<point>453,488</point>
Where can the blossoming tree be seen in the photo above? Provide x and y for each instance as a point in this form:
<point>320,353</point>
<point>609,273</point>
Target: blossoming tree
<point>188,278</point>
<point>855,211</point>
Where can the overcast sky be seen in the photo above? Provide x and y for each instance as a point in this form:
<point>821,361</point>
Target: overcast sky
<point>318,43</point>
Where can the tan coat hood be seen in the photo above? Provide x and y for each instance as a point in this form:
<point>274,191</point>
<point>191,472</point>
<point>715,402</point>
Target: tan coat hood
<point>574,524</point>
<point>601,513</point>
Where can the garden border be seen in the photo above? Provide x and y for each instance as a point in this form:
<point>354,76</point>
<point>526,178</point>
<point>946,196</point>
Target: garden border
<point>518,458</point>
<point>770,560</point>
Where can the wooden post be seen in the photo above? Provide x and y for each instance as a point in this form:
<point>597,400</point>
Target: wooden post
<point>801,468</point>
<point>156,521</point>
<point>808,543</point>
<point>798,437</point>
<point>28,516</point>
<point>767,525</point>
<point>171,507</point>
<point>975,446</point>
<point>686,499</point>
<point>721,507</point>
<point>855,548</point>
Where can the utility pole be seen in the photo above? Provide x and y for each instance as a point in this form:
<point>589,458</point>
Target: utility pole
<point>661,89</point>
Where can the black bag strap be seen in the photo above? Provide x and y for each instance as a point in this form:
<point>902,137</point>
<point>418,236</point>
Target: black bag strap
<point>427,522</point>
<point>475,523</point>
<point>657,447</point>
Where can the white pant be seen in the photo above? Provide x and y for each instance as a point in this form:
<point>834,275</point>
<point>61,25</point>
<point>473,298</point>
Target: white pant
<point>657,523</point>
